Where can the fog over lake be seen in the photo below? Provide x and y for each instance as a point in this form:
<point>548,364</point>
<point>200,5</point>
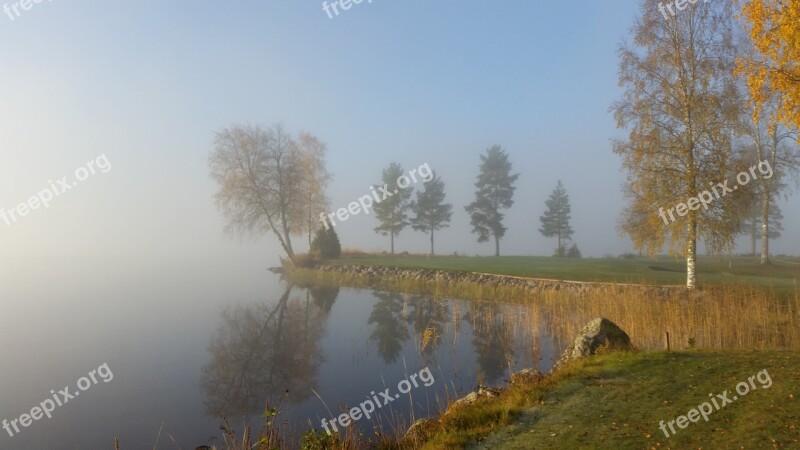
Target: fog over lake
<point>202,340</point>
<point>164,167</point>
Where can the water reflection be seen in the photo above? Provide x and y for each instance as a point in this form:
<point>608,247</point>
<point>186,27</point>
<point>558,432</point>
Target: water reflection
<point>307,342</point>
<point>492,339</point>
<point>261,352</point>
<point>324,297</point>
<point>393,313</point>
<point>390,330</point>
<point>430,316</point>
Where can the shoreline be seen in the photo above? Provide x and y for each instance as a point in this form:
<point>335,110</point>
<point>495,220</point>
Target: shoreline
<point>465,285</point>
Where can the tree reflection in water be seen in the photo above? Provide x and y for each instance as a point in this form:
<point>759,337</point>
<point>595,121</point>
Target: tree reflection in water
<point>431,319</point>
<point>262,351</point>
<point>492,339</point>
<point>391,331</point>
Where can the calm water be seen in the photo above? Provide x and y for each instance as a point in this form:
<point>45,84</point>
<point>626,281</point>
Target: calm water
<point>186,342</point>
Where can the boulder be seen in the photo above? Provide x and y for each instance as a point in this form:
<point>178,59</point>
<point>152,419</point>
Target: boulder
<point>525,376</point>
<point>598,335</point>
<point>419,431</point>
<point>472,397</point>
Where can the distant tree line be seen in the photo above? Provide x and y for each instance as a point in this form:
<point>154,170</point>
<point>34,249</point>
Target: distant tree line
<point>705,96</point>
<point>272,182</point>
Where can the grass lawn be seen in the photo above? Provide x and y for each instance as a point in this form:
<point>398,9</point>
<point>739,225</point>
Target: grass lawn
<point>617,401</point>
<point>781,275</point>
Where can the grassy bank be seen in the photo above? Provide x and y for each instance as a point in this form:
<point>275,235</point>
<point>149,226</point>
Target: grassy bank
<point>722,317</point>
<point>617,400</point>
<point>742,314</point>
<point>712,271</point>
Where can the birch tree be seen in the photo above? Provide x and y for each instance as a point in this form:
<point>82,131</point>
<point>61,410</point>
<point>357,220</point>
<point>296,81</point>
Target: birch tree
<point>679,108</point>
<point>313,181</point>
<point>768,143</point>
<point>263,180</point>
<point>774,28</point>
<point>752,227</point>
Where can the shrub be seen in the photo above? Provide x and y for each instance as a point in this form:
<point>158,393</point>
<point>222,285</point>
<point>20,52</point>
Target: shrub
<point>573,252</point>
<point>317,440</point>
<point>326,244</point>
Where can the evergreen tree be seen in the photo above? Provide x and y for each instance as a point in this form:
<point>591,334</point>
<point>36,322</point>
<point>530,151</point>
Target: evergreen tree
<point>494,191</point>
<point>392,209</point>
<point>430,210</point>
<point>326,244</point>
<point>555,221</point>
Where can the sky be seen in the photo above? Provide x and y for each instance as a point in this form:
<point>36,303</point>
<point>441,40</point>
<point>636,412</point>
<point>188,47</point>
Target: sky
<point>145,86</point>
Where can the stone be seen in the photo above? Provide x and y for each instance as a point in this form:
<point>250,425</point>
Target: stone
<point>474,396</point>
<point>525,376</point>
<point>599,335</point>
<point>419,431</point>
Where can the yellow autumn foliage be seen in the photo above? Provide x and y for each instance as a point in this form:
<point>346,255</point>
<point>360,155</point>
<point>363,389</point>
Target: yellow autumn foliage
<point>774,27</point>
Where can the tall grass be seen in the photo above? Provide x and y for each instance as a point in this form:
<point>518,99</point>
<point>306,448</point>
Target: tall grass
<point>735,317</point>
<point>724,317</point>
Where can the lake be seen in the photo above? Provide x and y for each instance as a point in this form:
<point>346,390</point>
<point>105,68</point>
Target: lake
<point>169,347</point>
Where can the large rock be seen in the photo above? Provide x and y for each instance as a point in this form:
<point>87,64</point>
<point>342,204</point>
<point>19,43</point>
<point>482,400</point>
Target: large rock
<point>474,396</point>
<point>598,335</point>
<point>419,431</point>
<point>525,376</point>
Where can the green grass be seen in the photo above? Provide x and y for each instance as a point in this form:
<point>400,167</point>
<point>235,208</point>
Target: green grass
<point>662,270</point>
<point>617,400</point>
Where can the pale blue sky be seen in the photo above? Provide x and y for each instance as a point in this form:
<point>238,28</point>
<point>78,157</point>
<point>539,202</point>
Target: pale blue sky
<point>148,83</point>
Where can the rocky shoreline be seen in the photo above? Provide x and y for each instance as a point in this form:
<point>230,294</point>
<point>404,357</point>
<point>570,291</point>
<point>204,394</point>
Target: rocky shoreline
<point>598,336</point>
<point>452,283</point>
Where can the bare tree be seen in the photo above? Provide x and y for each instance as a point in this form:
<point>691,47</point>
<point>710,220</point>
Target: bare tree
<point>265,180</point>
<point>751,225</point>
<point>768,142</point>
<point>313,182</point>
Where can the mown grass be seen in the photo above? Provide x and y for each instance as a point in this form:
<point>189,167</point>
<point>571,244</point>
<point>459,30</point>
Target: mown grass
<point>781,275</point>
<point>617,400</point>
